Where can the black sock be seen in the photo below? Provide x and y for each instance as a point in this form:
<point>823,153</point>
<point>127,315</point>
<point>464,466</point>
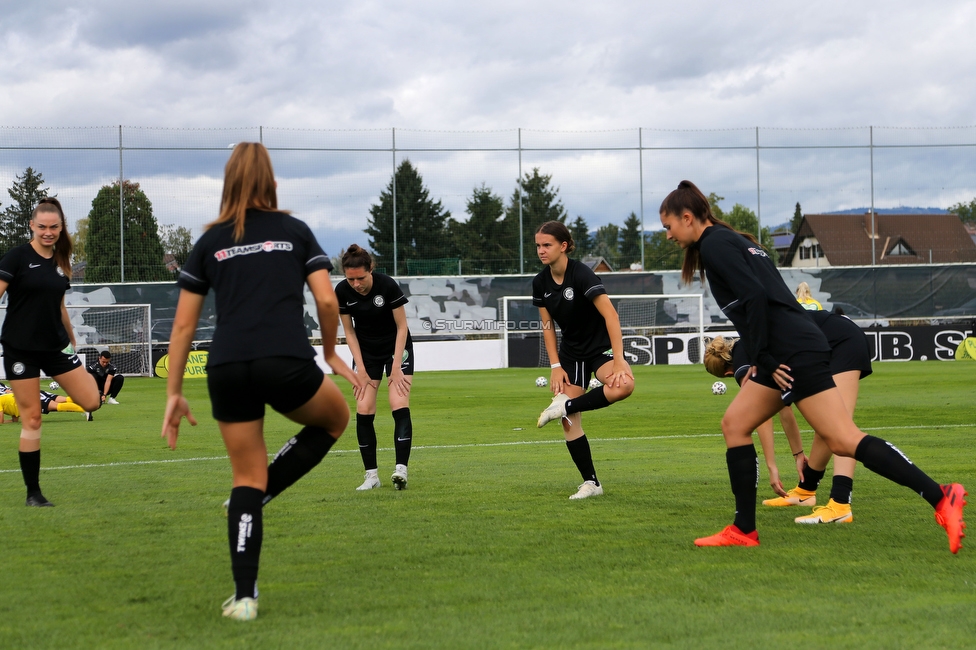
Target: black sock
<point>366,434</point>
<point>30,468</point>
<point>744,476</point>
<point>841,489</point>
<point>811,478</point>
<point>595,399</point>
<point>579,449</point>
<point>882,457</point>
<point>402,435</point>
<point>245,531</point>
<point>297,458</point>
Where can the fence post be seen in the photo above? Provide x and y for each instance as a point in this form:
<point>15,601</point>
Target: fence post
<point>873,230</point>
<point>640,158</point>
<point>758,200</point>
<point>121,213</point>
<point>519,186</point>
<point>394,205</point>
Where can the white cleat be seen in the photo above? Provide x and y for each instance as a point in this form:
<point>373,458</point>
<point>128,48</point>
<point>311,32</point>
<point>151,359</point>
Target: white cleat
<point>245,609</point>
<point>555,411</point>
<point>399,477</point>
<point>111,400</point>
<point>587,490</point>
<point>372,481</point>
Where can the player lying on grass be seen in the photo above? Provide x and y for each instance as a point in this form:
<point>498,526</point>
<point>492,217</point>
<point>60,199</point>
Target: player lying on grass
<point>50,403</point>
<point>569,294</point>
<point>791,360</point>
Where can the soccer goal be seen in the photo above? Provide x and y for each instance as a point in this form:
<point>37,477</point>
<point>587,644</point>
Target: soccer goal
<point>123,330</point>
<point>657,329</point>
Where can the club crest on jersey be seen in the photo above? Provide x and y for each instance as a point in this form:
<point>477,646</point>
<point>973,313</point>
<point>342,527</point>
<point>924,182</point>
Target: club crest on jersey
<point>568,293</point>
<point>379,301</point>
<point>18,368</point>
<point>758,251</point>
<point>249,249</point>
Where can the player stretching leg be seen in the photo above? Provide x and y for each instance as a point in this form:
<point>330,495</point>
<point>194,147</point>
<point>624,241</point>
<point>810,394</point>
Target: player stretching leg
<point>568,293</point>
<point>777,331</point>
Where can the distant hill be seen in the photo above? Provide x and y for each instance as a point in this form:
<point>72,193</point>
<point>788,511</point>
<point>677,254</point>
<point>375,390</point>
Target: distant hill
<point>900,210</point>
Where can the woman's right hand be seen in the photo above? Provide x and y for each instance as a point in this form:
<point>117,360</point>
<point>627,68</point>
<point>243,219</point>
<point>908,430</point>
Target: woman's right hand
<point>558,380</point>
<point>774,481</point>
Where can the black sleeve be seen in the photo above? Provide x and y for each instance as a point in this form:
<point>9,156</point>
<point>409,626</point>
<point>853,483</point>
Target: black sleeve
<point>728,260</point>
<point>193,275</point>
<point>588,283</point>
<point>394,294</point>
<point>537,291</point>
<point>9,265</point>
<point>340,292</point>
<point>317,259</point>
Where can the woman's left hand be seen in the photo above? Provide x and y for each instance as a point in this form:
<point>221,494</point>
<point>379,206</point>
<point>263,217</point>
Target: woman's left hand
<point>782,378</point>
<point>399,381</point>
<point>774,481</point>
<point>620,374</point>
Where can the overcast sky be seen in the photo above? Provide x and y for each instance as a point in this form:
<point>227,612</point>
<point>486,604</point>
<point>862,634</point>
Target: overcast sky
<point>457,66</point>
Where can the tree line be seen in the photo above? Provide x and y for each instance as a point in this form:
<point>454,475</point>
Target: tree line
<point>96,240</point>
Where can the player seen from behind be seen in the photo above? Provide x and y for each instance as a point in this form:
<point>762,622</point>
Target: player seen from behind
<point>569,294</point>
<point>375,324</point>
<point>258,259</point>
<point>791,360</point>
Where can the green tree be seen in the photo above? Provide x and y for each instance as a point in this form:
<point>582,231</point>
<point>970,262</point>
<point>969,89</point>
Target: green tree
<point>608,244</point>
<point>581,237</point>
<point>177,241</point>
<point>966,211</point>
<point>717,211</point>
<point>421,224</point>
<point>796,220</point>
<point>661,254</point>
<point>26,191</point>
<point>630,241</point>
<point>79,241</point>
<point>142,251</point>
<point>482,241</point>
<point>540,203</point>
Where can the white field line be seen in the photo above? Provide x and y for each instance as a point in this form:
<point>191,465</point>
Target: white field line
<point>472,446</point>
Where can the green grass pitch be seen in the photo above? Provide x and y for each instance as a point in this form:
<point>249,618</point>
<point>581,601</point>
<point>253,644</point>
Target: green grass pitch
<point>484,550</point>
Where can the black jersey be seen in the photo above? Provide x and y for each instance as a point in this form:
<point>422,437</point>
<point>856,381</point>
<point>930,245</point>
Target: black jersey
<point>372,314</point>
<point>101,374</point>
<point>752,294</point>
<point>36,287</point>
<point>740,362</point>
<point>259,285</point>
<point>571,305</point>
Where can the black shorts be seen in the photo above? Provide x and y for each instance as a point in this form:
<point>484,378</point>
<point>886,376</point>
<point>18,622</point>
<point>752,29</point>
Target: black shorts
<point>811,374</point>
<point>851,354</point>
<point>579,371</point>
<point>28,364</point>
<point>239,390</point>
<point>376,366</point>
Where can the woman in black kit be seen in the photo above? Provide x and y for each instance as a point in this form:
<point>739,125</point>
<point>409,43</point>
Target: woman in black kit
<point>375,324</point>
<point>791,363</point>
<point>37,333</point>
<point>568,293</point>
<point>257,259</point>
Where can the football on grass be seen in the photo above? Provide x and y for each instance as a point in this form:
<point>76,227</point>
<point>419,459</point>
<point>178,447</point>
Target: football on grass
<point>718,388</point>
<point>541,382</point>
<point>595,383</point>
<point>54,385</point>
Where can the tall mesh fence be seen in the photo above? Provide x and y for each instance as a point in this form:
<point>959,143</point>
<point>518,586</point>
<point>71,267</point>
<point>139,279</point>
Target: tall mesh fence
<point>340,182</point>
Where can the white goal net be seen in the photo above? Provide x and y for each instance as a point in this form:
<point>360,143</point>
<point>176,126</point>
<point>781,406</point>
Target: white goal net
<point>123,330</point>
<point>657,329</point>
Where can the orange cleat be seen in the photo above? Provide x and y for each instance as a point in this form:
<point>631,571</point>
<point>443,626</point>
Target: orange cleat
<point>949,514</point>
<point>730,536</point>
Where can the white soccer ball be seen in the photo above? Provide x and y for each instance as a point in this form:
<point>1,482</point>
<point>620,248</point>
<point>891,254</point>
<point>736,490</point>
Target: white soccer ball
<point>54,385</point>
<point>718,388</point>
<point>595,383</point>
<point>541,382</point>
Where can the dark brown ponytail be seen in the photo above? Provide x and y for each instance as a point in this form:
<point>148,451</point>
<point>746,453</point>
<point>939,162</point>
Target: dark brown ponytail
<point>688,198</point>
<point>357,257</point>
